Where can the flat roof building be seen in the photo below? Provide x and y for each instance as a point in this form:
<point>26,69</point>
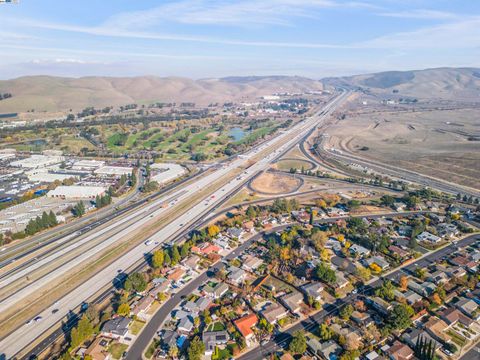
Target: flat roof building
<point>77,192</point>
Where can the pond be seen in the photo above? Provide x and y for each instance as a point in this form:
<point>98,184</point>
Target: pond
<point>237,133</point>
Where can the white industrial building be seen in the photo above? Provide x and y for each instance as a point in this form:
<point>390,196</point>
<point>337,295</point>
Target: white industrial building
<point>46,177</point>
<point>165,172</point>
<point>37,161</point>
<point>113,171</point>
<point>77,192</point>
<point>87,165</point>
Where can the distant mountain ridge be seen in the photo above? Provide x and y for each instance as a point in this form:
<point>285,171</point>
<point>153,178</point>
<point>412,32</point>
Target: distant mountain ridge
<point>446,83</point>
<point>50,93</point>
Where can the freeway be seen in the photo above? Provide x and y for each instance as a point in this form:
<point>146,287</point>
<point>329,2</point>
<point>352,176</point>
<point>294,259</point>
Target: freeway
<point>266,152</point>
<point>282,339</point>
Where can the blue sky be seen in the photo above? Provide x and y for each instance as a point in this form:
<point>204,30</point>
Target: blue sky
<point>211,38</point>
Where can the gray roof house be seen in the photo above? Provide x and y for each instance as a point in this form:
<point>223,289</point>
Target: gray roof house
<point>213,338</point>
<point>116,328</point>
<point>313,289</point>
<point>293,301</point>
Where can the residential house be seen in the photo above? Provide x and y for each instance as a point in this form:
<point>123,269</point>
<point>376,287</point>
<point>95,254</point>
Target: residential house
<point>236,275</point>
<point>176,274</point>
<point>452,316</point>
<point>379,261</point>
<point>234,233</point>
<point>329,350</point>
<point>169,339</point>
<point>245,324</point>
<point>438,277</point>
<point>436,328</point>
<point>293,301</point>
<point>361,318</point>
<point>202,303</point>
<point>359,251</point>
<point>340,281</point>
<point>469,308</point>
<point>205,249</point>
<point>191,262</point>
<point>429,237</point>
<point>398,251</point>
<point>116,328</point>
<point>380,305</point>
<point>313,290</point>
<point>217,291</point>
<point>400,351</point>
<point>185,325</point>
<point>251,263</point>
<point>141,308</point>
<point>274,312</point>
<point>213,338</point>
<point>413,335</point>
<point>98,349</point>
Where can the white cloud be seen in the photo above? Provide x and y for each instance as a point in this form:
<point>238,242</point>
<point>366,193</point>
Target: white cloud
<point>423,14</point>
<point>453,35</point>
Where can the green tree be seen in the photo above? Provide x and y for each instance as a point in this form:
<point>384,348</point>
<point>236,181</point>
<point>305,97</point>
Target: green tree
<point>175,255</point>
<point>137,281</point>
<point>325,332</point>
<point>81,332</point>
<point>325,273</point>
<point>346,312</point>
<point>399,317</point>
<point>123,309</point>
<point>79,209</point>
<point>158,258</point>
<point>298,345</point>
<point>184,251</point>
<point>196,349</point>
<point>386,291</point>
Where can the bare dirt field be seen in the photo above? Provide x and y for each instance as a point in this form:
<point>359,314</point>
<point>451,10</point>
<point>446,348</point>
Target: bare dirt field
<point>270,183</point>
<point>443,144</point>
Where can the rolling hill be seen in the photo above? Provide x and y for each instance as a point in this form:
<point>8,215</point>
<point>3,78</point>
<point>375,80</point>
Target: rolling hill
<point>48,93</point>
<point>443,83</point>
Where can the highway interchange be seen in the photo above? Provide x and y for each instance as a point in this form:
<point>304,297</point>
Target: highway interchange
<point>117,229</point>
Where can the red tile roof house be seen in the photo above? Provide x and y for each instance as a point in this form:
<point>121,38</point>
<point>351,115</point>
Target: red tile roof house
<point>244,326</point>
<point>400,351</point>
<point>205,249</point>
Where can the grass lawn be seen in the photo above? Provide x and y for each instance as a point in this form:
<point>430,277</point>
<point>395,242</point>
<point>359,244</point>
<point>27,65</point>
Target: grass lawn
<point>153,308</point>
<point>117,349</point>
<point>216,326</point>
<point>151,349</point>
<point>221,354</point>
<point>136,326</point>
<point>286,165</point>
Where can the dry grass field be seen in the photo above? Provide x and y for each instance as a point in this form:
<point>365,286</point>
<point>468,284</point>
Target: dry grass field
<point>443,144</point>
<point>269,183</point>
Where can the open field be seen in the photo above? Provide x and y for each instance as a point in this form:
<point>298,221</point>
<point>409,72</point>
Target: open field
<point>270,183</point>
<point>287,164</point>
<point>442,144</point>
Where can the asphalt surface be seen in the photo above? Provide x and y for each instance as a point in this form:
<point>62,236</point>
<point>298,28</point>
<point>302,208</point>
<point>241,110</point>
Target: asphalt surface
<point>277,146</point>
<point>282,340</point>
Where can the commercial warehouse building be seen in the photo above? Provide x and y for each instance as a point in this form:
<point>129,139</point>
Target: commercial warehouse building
<point>77,192</point>
<point>165,172</point>
<point>116,171</point>
<point>37,161</point>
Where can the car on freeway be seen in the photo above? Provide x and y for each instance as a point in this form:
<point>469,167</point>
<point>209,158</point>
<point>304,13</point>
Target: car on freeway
<point>54,311</point>
<point>37,318</point>
<point>29,322</point>
<point>148,242</point>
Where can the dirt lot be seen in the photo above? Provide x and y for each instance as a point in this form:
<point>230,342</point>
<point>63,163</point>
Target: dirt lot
<point>443,144</point>
<point>270,183</point>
